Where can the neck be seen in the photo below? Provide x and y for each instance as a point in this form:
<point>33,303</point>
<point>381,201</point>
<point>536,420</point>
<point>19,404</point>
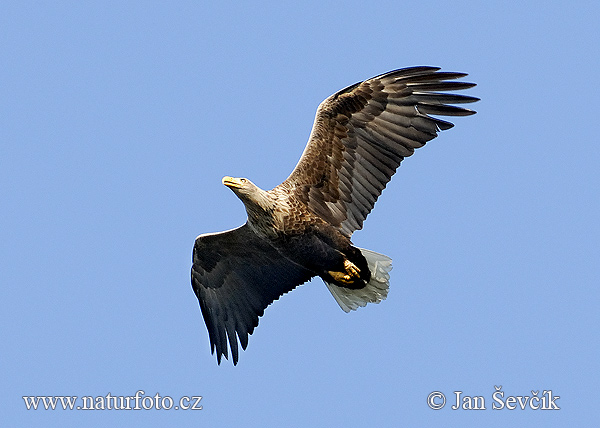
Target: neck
<point>260,207</point>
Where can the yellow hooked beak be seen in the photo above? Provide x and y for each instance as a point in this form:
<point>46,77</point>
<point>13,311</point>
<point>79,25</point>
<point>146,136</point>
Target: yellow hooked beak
<point>233,182</point>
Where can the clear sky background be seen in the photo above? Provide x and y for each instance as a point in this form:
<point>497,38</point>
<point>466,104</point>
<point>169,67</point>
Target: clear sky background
<point>117,122</point>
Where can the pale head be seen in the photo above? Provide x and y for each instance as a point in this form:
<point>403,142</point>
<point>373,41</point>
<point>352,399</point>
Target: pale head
<point>250,194</point>
<point>240,186</point>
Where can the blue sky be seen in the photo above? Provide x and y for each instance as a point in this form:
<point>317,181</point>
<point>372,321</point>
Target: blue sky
<point>118,120</point>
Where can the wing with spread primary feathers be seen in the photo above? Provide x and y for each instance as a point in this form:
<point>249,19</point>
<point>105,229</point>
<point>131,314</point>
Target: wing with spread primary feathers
<point>363,132</point>
<point>235,276</point>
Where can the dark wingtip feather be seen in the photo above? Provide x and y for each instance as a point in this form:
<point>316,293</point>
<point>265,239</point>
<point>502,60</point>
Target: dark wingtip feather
<point>444,110</point>
<point>438,76</point>
<point>442,124</point>
<point>439,86</point>
<point>443,98</point>
<point>409,71</point>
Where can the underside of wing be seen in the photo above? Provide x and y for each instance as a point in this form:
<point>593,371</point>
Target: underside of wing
<point>235,276</point>
<point>361,135</point>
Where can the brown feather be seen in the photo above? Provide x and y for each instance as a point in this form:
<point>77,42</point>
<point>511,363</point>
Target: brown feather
<point>362,133</point>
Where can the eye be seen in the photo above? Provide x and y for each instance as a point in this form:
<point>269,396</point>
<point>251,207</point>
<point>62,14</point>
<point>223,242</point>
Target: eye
<point>243,180</point>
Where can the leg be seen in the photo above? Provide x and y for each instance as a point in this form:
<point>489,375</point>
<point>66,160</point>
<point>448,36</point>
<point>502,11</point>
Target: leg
<point>350,275</point>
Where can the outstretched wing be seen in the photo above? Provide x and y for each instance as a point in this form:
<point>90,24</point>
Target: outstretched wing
<point>363,132</point>
<point>235,276</point>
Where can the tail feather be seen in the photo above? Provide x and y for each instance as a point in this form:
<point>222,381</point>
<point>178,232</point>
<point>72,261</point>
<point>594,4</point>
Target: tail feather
<point>374,292</point>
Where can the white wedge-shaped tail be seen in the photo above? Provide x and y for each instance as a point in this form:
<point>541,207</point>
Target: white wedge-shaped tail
<point>374,292</point>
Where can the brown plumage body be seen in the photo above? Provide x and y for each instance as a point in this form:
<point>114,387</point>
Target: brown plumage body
<point>298,234</point>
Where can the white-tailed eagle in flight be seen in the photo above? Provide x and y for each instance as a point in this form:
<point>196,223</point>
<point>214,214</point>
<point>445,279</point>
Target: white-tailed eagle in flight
<point>302,228</point>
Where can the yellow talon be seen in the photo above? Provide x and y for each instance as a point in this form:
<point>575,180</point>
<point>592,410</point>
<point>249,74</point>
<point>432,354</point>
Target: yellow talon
<point>352,273</point>
<point>351,268</point>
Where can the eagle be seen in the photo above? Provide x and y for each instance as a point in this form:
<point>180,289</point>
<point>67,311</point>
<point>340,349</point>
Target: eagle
<point>303,227</point>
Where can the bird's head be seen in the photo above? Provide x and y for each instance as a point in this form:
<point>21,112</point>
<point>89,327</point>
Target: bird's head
<point>251,195</point>
<point>240,186</point>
